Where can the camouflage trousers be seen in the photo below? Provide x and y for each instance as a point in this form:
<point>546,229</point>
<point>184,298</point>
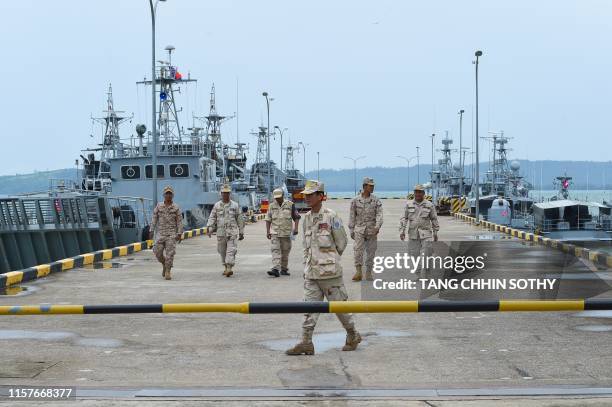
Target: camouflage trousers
<point>417,247</point>
<point>316,290</point>
<point>281,247</point>
<point>165,249</point>
<point>227,248</point>
<point>368,244</point>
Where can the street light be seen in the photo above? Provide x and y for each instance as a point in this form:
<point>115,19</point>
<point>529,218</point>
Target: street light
<point>153,126</point>
<point>461,150</point>
<point>477,195</point>
<point>304,148</point>
<point>281,135</point>
<point>418,167</point>
<point>265,94</point>
<point>355,169</point>
<point>433,160</point>
<point>407,166</point>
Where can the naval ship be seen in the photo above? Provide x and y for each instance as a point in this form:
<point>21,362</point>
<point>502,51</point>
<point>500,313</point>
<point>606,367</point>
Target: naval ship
<point>195,164</point>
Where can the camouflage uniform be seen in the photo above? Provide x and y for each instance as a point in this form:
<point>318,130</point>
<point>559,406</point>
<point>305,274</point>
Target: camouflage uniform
<point>421,220</point>
<point>167,223</point>
<point>366,218</point>
<point>226,219</point>
<point>281,219</point>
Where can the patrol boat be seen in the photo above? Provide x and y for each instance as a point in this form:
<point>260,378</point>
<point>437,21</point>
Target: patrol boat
<point>566,219</point>
<point>194,164</point>
<point>295,180</point>
<point>448,179</point>
<point>503,180</point>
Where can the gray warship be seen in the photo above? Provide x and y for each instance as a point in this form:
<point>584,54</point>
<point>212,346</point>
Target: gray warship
<point>195,164</point>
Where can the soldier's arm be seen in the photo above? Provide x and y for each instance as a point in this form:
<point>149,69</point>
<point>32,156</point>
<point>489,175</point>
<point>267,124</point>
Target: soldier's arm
<point>179,222</point>
<point>379,214</point>
<point>404,221</point>
<point>351,224</point>
<point>339,234</point>
<point>434,219</point>
<point>296,218</point>
<point>155,219</point>
<point>212,218</point>
<point>240,221</point>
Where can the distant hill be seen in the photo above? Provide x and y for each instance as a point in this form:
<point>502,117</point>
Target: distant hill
<point>34,182</point>
<point>594,175</point>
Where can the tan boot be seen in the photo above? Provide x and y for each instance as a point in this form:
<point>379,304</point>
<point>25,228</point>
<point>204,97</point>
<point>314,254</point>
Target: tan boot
<point>225,270</point>
<point>352,340</point>
<point>357,276</point>
<point>228,270</point>
<point>168,274</point>
<point>302,348</point>
<point>164,270</point>
<point>368,276</point>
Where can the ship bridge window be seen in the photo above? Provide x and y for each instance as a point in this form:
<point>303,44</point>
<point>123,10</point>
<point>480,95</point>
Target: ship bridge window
<point>160,171</point>
<point>179,170</point>
<point>130,172</point>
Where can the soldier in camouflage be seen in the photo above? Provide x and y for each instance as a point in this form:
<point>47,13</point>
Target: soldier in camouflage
<point>422,222</point>
<point>365,221</point>
<point>282,221</point>
<point>324,241</point>
<point>227,220</point>
<point>167,228</point>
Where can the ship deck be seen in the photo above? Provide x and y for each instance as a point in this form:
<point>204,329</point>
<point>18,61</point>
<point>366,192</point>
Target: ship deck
<point>442,358</point>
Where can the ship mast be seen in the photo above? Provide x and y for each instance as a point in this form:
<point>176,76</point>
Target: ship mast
<point>111,143</point>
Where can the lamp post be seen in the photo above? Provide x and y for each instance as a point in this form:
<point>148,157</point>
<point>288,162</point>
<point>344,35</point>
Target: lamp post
<point>461,150</point>
<point>418,166</point>
<point>477,195</point>
<point>304,148</point>
<point>318,168</point>
<point>281,136</point>
<point>153,103</point>
<point>265,94</point>
<point>433,160</point>
<point>407,165</point>
<point>355,169</point>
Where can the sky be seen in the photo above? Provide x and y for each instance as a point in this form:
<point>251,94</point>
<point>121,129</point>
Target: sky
<point>348,77</point>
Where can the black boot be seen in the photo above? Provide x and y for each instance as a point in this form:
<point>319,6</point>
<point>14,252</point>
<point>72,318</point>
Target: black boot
<point>274,273</point>
<point>285,271</point>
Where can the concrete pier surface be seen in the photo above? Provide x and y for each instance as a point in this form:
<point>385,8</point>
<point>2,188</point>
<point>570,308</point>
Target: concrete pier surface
<point>466,359</point>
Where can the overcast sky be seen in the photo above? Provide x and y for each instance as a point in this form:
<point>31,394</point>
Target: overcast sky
<point>349,77</point>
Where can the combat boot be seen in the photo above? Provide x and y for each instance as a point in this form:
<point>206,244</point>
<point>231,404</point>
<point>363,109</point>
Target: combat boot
<point>274,273</point>
<point>168,276</point>
<point>285,271</point>
<point>228,270</point>
<point>368,275</point>
<point>357,276</point>
<point>302,348</point>
<point>164,270</point>
<point>352,340</point>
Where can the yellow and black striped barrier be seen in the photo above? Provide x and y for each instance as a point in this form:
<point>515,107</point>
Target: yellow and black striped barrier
<point>324,307</point>
<point>36,272</point>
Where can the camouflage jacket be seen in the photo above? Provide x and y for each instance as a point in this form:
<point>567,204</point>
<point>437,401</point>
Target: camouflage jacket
<point>324,241</point>
<point>420,218</point>
<point>167,220</point>
<point>366,215</point>
<point>226,219</point>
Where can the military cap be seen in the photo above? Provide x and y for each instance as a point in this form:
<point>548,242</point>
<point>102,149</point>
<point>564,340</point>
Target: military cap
<point>367,181</point>
<point>167,189</point>
<point>226,188</point>
<point>312,187</point>
<point>278,193</point>
<point>419,187</point>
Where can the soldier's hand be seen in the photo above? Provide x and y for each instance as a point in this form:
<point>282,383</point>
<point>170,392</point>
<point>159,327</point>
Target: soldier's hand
<point>209,232</point>
<point>269,236</point>
<point>295,231</point>
<point>435,237</point>
<point>402,236</point>
<point>241,236</point>
<point>352,235</point>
